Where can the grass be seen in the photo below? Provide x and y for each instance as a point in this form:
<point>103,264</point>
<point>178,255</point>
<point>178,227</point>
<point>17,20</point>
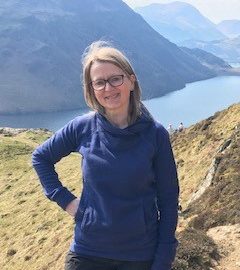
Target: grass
<point>35,233</point>
<point>195,147</point>
<point>220,203</point>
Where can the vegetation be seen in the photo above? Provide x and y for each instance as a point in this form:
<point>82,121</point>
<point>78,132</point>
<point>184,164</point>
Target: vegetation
<point>195,148</point>
<point>34,232</point>
<point>216,138</point>
<point>224,193</point>
<point>196,251</point>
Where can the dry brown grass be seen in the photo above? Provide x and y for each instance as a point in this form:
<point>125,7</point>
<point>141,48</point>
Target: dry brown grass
<point>196,251</point>
<point>219,205</point>
<point>195,148</point>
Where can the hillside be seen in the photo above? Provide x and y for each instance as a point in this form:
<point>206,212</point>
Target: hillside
<point>179,21</point>
<point>36,233</point>
<point>208,59</point>
<point>196,147</point>
<point>208,161</point>
<point>41,43</point>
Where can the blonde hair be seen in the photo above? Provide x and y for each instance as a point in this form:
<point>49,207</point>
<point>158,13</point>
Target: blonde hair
<point>102,51</point>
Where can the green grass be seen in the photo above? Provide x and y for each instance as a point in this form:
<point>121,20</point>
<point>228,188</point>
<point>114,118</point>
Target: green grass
<point>35,233</point>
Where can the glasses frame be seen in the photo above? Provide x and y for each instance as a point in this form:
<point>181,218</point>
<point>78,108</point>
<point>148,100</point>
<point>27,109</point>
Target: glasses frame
<point>108,81</point>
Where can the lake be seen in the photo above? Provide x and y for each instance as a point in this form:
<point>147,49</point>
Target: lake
<point>189,105</point>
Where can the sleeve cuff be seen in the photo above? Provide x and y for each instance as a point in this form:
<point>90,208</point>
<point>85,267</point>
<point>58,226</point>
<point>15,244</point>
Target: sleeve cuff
<point>64,197</point>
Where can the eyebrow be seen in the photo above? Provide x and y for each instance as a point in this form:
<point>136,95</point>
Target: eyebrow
<point>101,78</point>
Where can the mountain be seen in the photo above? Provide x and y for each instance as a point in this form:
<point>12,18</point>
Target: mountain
<point>36,233</point>
<point>186,26</point>
<point>207,59</point>
<point>41,43</point>
<point>178,21</point>
<point>230,28</point>
<point>227,49</point>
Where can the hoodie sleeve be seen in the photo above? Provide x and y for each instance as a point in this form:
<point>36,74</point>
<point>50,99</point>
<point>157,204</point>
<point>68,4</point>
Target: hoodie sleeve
<point>167,202</point>
<point>61,144</point>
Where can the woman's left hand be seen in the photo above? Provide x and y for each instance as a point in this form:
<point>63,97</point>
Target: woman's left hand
<point>72,207</point>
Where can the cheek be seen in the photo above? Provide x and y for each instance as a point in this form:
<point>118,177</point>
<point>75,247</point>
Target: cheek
<point>127,91</point>
<point>98,97</point>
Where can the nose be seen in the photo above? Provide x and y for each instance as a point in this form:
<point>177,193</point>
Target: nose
<point>108,87</point>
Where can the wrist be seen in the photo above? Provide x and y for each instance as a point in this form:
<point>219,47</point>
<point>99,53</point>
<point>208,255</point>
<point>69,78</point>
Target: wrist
<point>72,207</point>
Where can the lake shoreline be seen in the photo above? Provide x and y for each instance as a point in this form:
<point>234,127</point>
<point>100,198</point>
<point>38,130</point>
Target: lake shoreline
<point>194,102</point>
<point>221,73</point>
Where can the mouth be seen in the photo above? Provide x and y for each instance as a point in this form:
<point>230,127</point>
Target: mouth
<point>113,96</point>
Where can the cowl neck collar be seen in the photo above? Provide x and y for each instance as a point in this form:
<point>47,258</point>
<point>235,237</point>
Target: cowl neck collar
<point>142,122</point>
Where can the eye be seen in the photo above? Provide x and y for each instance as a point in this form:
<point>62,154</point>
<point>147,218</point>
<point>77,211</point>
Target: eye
<point>99,83</point>
<point>115,79</point>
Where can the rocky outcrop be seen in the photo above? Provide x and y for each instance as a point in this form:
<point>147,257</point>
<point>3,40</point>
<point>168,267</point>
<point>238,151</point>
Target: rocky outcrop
<point>211,172</point>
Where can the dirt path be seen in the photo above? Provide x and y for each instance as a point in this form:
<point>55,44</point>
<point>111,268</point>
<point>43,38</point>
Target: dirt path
<point>228,240</point>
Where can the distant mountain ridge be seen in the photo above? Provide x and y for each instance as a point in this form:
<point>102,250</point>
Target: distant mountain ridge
<point>41,43</point>
<point>207,58</point>
<point>179,21</point>
<point>228,49</point>
<point>186,26</point>
<point>230,28</point>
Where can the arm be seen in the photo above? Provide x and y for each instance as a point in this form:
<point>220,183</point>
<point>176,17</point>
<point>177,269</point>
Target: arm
<point>61,144</point>
<point>167,202</point>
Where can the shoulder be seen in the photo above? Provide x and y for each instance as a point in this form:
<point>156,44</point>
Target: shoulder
<point>162,139</point>
<point>160,129</point>
<point>79,126</point>
<point>83,119</point>
<point>82,122</point>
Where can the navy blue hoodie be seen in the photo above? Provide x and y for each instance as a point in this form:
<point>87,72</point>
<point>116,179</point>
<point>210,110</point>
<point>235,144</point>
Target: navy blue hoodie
<point>128,205</point>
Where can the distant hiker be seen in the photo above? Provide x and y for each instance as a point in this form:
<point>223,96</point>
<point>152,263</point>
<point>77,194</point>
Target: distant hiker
<point>180,127</point>
<point>127,214</point>
<point>170,129</point>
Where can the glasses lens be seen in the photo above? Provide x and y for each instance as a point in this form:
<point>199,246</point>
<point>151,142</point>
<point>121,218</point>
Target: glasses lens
<point>116,80</point>
<point>98,85</point>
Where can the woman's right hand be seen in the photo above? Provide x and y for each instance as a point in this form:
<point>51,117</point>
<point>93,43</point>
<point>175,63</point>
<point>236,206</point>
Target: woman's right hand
<point>72,207</point>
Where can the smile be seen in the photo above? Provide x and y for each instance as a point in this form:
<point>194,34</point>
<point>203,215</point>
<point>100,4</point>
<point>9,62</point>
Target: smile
<point>113,96</point>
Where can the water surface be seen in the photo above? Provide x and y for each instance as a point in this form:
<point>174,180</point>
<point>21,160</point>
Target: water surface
<point>189,105</point>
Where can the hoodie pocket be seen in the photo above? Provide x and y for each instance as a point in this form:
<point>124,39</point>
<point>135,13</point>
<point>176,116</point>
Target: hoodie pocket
<point>81,208</point>
<point>150,215</point>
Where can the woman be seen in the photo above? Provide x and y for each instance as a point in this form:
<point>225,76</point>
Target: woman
<point>127,214</point>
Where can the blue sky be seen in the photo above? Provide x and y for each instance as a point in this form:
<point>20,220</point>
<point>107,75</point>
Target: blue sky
<point>215,10</point>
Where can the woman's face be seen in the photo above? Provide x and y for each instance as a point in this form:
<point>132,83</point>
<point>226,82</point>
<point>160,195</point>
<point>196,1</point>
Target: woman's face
<point>114,99</point>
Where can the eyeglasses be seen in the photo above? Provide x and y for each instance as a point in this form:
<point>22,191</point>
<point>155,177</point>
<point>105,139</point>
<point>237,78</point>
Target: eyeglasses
<point>114,81</point>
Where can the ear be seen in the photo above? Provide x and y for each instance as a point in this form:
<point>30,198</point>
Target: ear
<point>132,78</point>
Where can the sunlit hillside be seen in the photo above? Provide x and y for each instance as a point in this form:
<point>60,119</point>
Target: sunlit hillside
<point>35,233</point>
<point>208,160</point>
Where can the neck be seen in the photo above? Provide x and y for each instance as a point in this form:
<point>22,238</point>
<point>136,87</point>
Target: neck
<point>118,120</point>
